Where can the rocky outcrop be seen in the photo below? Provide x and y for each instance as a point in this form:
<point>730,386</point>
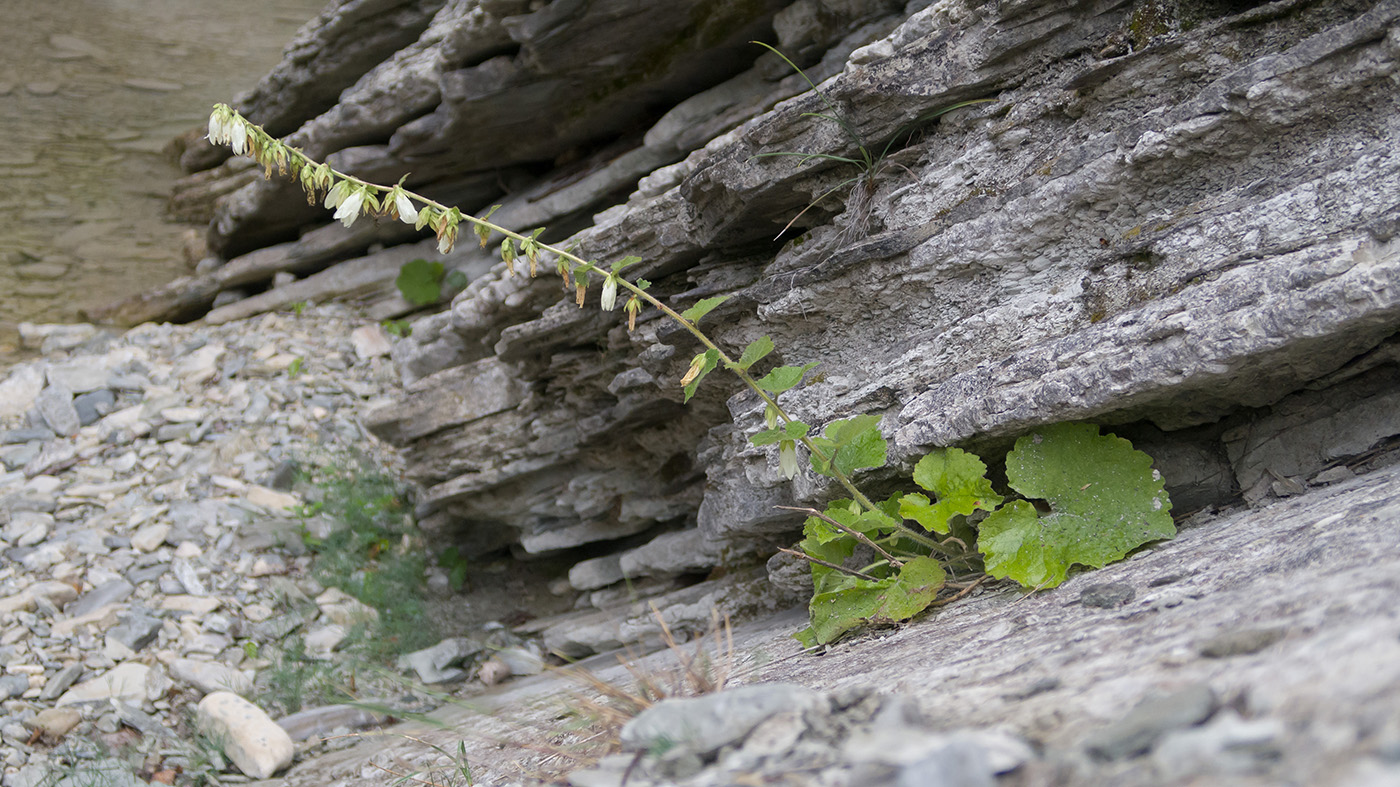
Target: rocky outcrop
<point>1174,217</point>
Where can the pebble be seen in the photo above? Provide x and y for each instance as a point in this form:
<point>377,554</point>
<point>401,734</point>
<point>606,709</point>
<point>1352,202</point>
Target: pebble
<point>249,737</point>
<point>130,470</point>
<point>702,725</point>
<point>1107,596</point>
<point>1240,642</point>
<point>1150,719</point>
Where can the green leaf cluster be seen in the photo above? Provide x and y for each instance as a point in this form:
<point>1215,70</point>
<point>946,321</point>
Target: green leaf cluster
<point>1103,497</point>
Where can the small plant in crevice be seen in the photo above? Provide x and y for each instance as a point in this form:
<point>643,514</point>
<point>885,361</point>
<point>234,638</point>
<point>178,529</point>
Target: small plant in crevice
<point>422,282</point>
<point>371,551</point>
<point>868,167</point>
<point>871,561</point>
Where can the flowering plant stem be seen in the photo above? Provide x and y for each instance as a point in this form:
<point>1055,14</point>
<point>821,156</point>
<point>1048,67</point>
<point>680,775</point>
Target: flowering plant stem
<point>351,196</point>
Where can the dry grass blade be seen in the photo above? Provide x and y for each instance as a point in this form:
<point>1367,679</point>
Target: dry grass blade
<point>604,707</point>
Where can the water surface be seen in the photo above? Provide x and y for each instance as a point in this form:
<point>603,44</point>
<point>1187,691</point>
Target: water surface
<point>91,91</point>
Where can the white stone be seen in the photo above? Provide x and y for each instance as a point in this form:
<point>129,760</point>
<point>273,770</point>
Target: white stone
<point>251,739</point>
<point>125,682</point>
<point>270,498</point>
<point>209,677</point>
<point>150,537</point>
<point>371,341</point>
<point>344,609</point>
<point>18,391</point>
<point>182,415</point>
<point>195,605</point>
<point>324,640</point>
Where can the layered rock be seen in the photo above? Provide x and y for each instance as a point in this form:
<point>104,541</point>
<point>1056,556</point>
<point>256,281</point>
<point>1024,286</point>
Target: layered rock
<point>1174,218</point>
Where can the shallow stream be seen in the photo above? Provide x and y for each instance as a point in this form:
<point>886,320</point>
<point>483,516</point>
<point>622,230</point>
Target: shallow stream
<point>91,91</point>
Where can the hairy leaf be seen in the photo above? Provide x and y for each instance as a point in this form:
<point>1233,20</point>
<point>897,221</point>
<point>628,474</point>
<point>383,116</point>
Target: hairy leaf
<point>420,281</point>
<point>850,444</point>
<point>785,378</point>
<point>958,480</point>
<point>755,352</point>
<point>1105,500</point>
<point>703,307</point>
<point>891,600</point>
<point>768,437</point>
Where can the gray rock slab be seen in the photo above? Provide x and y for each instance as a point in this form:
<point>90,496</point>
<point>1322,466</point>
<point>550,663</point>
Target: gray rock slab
<point>328,719</point>
<point>135,630</point>
<point>55,406</point>
<point>1150,719</point>
<point>93,405</point>
<point>441,663</point>
<point>110,592</point>
<point>702,725</point>
<point>60,682</point>
<point>13,686</point>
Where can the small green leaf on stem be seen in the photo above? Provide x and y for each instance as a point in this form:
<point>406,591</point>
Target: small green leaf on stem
<point>958,480</point>
<point>785,378</point>
<point>755,352</point>
<point>704,307</point>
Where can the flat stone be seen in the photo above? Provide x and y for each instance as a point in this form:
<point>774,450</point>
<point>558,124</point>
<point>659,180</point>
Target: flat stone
<point>1150,719</point>
<point>184,572</point>
<point>55,406</point>
<point>194,605</point>
<point>703,725</point>
<point>110,592</point>
<point>328,719</point>
<point>136,631</point>
<point>78,377</point>
<point>92,406</point>
<point>18,392</point>
<point>248,737</point>
<point>1107,596</point>
<point>210,677</point>
<point>25,435</point>
<point>125,682</point>
<point>271,499</point>
<point>60,682</point>
<point>55,722</point>
<point>150,538</point>
<point>12,686</point>
<point>371,341</point>
<point>1240,642</point>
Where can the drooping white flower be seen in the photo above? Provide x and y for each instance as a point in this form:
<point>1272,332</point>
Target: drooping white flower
<point>787,458</point>
<point>218,129</point>
<point>407,213</point>
<point>337,194</point>
<point>238,136</point>
<point>349,210</point>
<point>609,299</point>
